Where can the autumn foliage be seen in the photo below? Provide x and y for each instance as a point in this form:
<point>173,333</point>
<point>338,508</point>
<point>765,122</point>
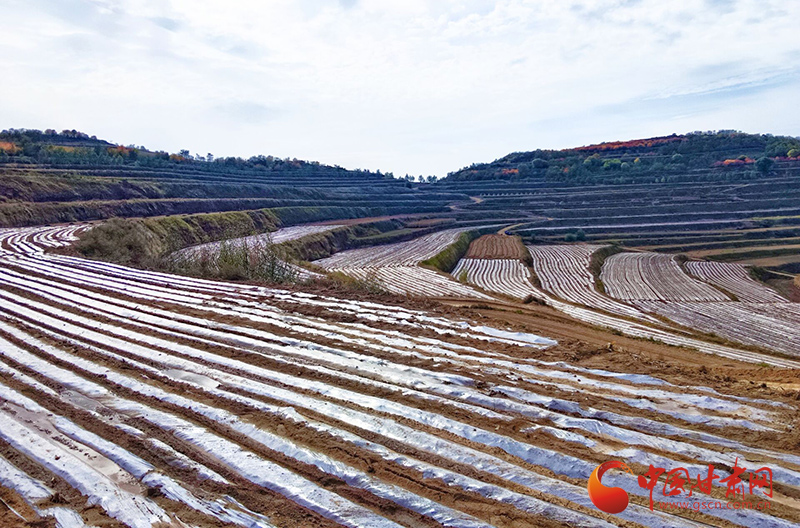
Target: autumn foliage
<point>8,147</point>
<point>635,143</point>
<point>120,150</point>
<point>734,162</point>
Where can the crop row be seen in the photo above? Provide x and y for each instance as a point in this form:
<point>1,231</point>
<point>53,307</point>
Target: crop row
<point>413,281</point>
<point>285,234</point>
<point>395,267</point>
<point>735,279</point>
<point>653,277</point>
<point>408,253</point>
<point>563,270</point>
<point>767,325</point>
<point>496,246</point>
<point>157,398</point>
<point>511,278</point>
<point>504,276</point>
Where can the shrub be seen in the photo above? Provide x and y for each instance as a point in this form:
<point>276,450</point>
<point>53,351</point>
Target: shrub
<point>758,273</point>
<point>237,260</point>
<point>764,165</point>
<point>122,241</point>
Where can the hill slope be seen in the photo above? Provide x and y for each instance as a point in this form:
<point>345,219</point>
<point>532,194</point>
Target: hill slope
<point>724,191</point>
<point>49,177</point>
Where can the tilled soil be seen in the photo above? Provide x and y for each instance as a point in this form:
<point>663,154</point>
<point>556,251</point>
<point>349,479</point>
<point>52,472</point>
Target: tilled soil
<point>498,247</point>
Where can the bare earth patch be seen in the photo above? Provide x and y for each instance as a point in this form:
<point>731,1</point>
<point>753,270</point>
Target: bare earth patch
<point>496,247</point>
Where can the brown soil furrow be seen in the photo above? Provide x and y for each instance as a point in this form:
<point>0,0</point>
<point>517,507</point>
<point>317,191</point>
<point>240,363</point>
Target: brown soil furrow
<point>248,412</point>
<point>389,509</point>
<point>436,489</point>
<point>328,380</point>
<point>65,494</point>
<point>499,246</point>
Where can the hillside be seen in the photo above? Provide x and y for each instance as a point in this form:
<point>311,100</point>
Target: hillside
<point>729,195</point>
<point>142,399</point>
<point>50,177</point>
<point>720,195</point>
<point>675,158</point>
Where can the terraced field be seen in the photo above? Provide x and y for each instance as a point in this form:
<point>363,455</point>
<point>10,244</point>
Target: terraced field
<point>395,267</point>
<point>653,277</point>
<point>688,195</point>
<point>413,281</point>
<point>766,325</point>
<point>134,398</point>
<point>285,234</point>
<point>508,277</point>
<point>735,279</point>
<point>496,247</point>
<point>755,315</point>
<point>563,270</point>
<point>143,399</point>
<point>210,252</point>
<point>409,253</point>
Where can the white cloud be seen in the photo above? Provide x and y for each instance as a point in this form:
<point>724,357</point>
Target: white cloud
<point>412,86</point>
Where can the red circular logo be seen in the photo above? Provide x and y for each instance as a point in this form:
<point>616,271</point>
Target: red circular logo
<point>609,500</point>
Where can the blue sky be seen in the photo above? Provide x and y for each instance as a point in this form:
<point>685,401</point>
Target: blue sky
<point>407,86</point>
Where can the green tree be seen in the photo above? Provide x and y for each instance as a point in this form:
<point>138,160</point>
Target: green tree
<point>764,164</point>
<point>592,161</point>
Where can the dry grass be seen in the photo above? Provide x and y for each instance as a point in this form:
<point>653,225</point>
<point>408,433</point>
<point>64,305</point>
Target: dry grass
<point>240,259</point>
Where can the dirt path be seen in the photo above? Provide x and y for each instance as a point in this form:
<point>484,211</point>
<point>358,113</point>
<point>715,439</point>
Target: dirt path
<point>504,231</point>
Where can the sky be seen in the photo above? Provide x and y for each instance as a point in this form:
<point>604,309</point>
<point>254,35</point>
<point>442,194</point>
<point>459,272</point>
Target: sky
<point>403,86</point>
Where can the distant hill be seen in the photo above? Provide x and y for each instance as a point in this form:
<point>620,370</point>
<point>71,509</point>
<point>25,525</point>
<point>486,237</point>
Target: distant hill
<point>673,158</point>
<point>723,195</point>
<point>73,148</point>
<point>55,177</point>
